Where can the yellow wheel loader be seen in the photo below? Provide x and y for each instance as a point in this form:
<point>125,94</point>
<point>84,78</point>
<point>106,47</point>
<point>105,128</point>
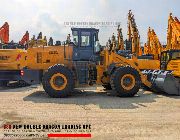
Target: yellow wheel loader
<point>82,62</point>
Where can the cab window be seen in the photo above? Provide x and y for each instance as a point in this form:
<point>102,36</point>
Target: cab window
<point>175,55</point>
<point>165,57</point>
<point>85,39</point>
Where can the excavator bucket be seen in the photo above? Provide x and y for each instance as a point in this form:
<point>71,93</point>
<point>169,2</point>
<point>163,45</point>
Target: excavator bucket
<point>164,82</point>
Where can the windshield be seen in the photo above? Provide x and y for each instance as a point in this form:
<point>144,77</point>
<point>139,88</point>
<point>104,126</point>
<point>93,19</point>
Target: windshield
<point>75,37</point>
<point>175,55</point>
<point>85,39</point>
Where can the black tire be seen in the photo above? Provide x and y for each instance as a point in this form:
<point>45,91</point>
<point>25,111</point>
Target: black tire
<point>117,86</point>
<point>54,92</point>
<point>3,83</point>
<point>107,86</point>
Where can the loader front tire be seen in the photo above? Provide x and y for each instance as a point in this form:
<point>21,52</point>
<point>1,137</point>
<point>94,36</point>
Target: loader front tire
<point>125,81</point>
<point>58,81</point>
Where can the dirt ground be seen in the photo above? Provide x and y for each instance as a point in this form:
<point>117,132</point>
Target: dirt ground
<point>145,116</point>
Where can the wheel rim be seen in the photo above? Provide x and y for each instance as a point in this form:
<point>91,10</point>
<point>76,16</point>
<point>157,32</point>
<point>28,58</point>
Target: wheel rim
<point>128,81</point>
<point>58,81</point>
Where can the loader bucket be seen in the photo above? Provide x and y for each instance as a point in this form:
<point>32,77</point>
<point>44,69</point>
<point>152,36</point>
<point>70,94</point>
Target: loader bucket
<point>164,82</point>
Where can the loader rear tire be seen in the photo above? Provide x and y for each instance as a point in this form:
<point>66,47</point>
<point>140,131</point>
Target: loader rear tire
<point>125,81</point>
<point>58,81</point>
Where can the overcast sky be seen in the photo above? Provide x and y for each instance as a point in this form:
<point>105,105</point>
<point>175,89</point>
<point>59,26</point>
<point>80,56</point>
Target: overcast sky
<point>49,16</point>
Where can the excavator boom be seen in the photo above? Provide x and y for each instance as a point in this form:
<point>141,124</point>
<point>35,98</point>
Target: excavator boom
<point>4,33</point>
<point>153,45</point>
<point>173,34</point>
<point>24,39</point>
<point>133,35</point>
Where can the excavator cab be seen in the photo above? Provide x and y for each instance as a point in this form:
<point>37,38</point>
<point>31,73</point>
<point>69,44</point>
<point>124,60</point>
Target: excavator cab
<point>86,44</point>
<point>167,57</point>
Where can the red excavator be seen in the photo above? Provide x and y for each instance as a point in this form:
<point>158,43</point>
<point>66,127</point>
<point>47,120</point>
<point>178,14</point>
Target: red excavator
<point>24,39</point>
<point>4,39</point>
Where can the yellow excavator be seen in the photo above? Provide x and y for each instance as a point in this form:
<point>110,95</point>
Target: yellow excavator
<point>170,59</point>
<point>120,39</point>
<point>173,33</point>
<point>132,48</point>
<point>133,35</point>
<point>40,41</point>
<point>153,46</point>
<point>169,56</point>
<point>133,44</point>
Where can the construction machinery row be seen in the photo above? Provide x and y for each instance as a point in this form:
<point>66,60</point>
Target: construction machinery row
<point>157,56</point>
<point>84,62</point>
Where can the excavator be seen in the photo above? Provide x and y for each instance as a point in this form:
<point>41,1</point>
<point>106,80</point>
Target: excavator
<point>4,38</point>
<point>40,41</point>
<point>132,49</point>
<point>173,33</point>
<point>81,62</point>
<point>133,35</point>
<point>22,44</point>
<point>133,44</point>
<point>153,46</point>
<point>4,33</point>
<point>25,40</point>
<point>169,56</point>
<point>120,39</point>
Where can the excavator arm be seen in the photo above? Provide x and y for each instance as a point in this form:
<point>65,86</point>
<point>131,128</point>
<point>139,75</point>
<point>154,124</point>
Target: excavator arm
<point>4,33</point>
<point>120,39</point>
<point>153,45</point>
<point>133,35</point>
<point>173,34</point>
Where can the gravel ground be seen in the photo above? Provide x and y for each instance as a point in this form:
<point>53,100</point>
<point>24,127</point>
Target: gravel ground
<point>145,116</point>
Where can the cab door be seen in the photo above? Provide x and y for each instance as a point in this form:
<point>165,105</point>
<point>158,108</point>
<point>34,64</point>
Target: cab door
<point>165,58</point>
<point>84,49</point>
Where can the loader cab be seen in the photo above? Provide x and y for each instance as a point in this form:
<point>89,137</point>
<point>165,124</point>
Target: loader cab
<point>86,46</point>
<point>167,56</point>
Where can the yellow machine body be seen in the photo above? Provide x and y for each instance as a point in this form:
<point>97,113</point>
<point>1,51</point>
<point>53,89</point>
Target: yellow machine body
<point>12,59</point>
<point>175,66</point>
<point>148,64</point>
<point>113,58</point>
<point>44,57</point>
